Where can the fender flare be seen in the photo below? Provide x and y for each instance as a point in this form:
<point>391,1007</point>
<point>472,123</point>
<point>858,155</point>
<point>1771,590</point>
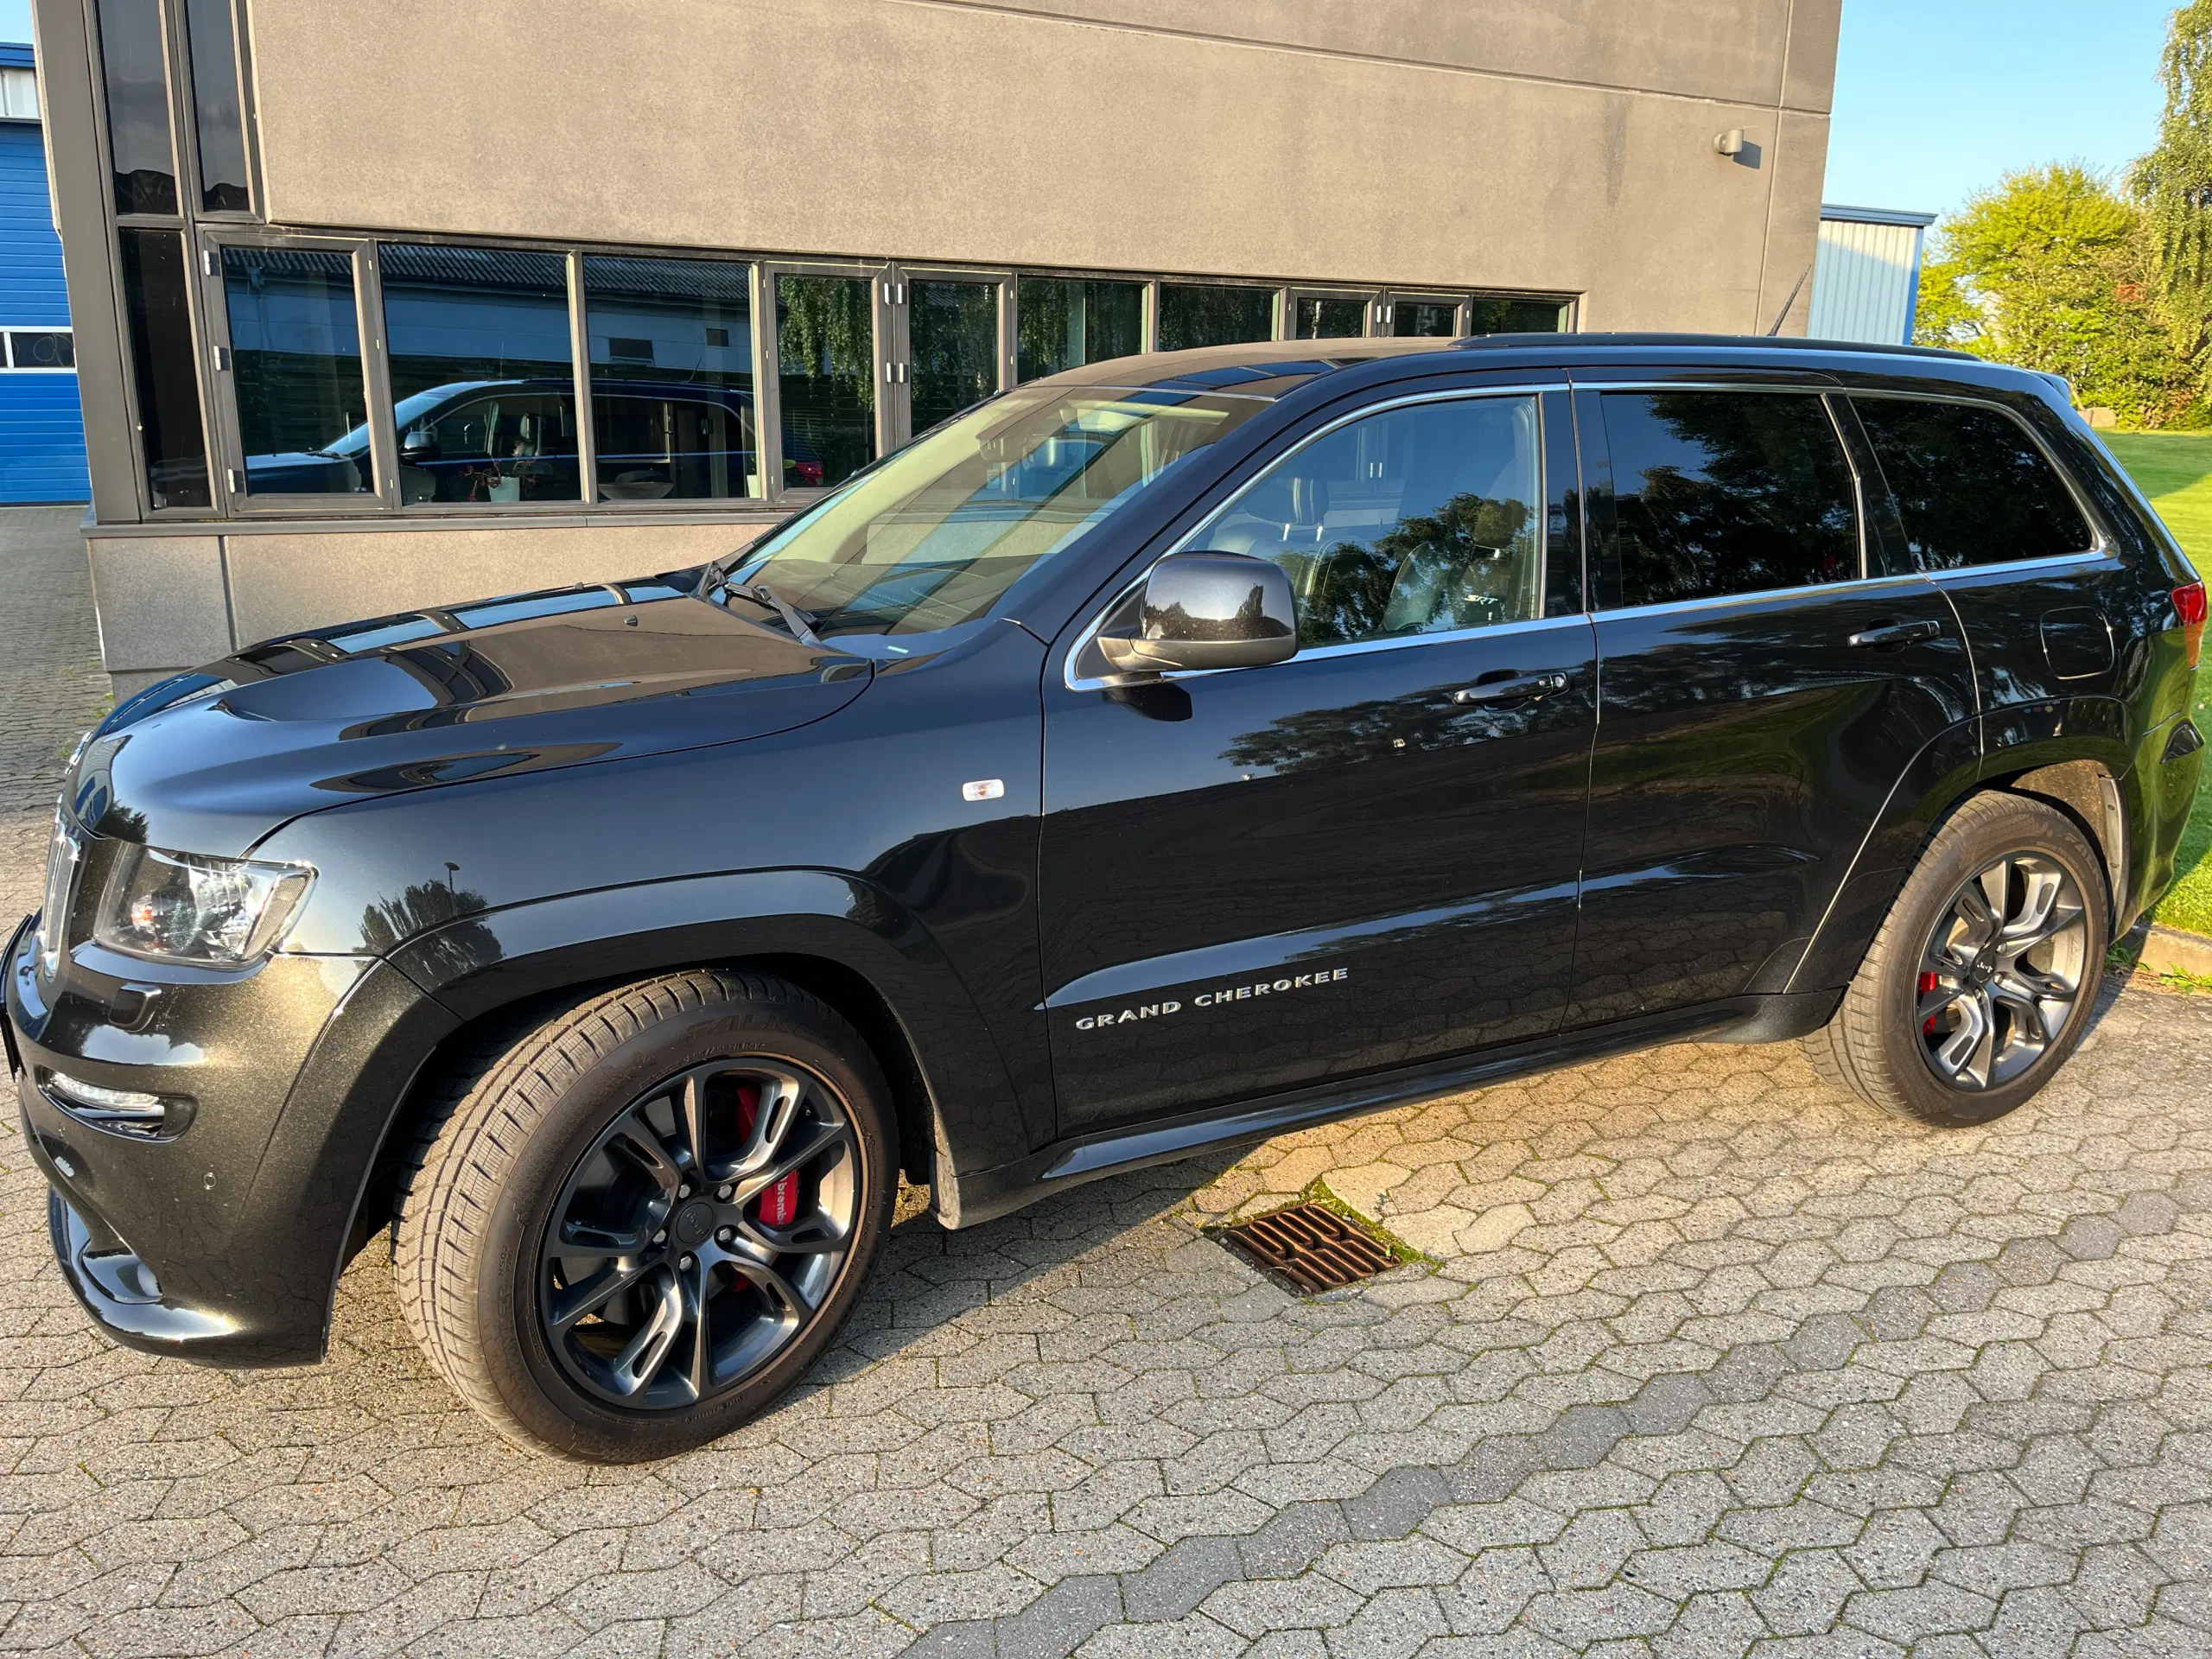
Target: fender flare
<point>1956,763</point>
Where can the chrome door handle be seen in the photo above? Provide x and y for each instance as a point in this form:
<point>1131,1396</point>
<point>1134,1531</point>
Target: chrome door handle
<point>1523,688</point>
<point>1898,633</point>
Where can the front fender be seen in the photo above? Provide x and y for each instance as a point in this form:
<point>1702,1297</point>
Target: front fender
<point>477,964</point>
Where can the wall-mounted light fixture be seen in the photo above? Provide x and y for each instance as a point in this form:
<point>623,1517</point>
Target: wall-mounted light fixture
<point>1730,142</point>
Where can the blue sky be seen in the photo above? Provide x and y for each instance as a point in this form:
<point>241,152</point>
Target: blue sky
<point>1936,98</point>
<point>15,20</point>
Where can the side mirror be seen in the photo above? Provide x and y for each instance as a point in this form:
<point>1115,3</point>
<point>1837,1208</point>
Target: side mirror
<point>1206,610</point>
<point>418,447</point>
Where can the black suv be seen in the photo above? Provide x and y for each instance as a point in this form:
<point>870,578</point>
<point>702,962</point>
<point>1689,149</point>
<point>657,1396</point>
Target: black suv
<point>1156,758</point>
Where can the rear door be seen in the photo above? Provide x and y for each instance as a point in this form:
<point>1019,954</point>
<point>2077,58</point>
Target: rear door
<point>1982,509</point>
<point>1763,687</point>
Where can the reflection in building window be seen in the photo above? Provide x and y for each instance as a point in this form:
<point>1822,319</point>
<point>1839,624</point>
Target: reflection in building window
<point>215,102</point>
<point>672,387</point>
<point>1424,319</point>
<point>825,377</point>
<point>953,328</point>
<point>295,347</point>
<point>1067,321</point>
<point>482,377</point>
<point>164,371</point>
<point>1213,313</point>
<point>135,79</point>
<point>41,348</point>
<point>1515,317</point>
<point>1331,317</point>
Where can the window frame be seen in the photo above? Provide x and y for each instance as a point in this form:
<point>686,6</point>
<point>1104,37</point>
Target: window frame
<point>1595,442</point>
<point>7,332</point>
<point>586,425</point>
<point>2101,543</point>
<point>1147,307</point>
<point>1369,301</point>
<point>226,450</point>
<point>1537,391</point>
<point>767,371</point>
<point>1278,310</point>
<point>898,352</point>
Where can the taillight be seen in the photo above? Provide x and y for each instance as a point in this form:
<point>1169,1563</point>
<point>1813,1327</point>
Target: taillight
<point>2189,602</point>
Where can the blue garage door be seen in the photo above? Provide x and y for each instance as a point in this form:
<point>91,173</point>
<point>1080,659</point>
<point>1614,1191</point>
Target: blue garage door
<point>41,427</point>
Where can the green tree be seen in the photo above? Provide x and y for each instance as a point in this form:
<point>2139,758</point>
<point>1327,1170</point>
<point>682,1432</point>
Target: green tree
<point>2173,186</point>
<point>2053,269</point>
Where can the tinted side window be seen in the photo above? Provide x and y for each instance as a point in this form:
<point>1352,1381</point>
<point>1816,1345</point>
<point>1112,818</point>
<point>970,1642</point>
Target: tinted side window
<point>1970,485</point>
<point>1721,493</point>
<point>1417,520</point>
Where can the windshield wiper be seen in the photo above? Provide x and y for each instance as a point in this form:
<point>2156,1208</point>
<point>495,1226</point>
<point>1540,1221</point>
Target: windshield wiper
<point>800,623</point>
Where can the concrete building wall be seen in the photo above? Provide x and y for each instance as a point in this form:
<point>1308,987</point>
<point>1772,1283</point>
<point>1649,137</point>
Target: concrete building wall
<point>1558,147</point>
<point>1524,146</point>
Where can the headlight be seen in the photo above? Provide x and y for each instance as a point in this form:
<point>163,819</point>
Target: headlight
<point>184,908</point>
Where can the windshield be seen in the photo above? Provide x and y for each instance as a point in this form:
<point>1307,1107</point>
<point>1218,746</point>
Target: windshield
<point>933,535</point>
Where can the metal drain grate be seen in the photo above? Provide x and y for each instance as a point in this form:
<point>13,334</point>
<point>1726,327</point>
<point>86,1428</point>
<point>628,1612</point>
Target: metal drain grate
<point>1315,1249</point>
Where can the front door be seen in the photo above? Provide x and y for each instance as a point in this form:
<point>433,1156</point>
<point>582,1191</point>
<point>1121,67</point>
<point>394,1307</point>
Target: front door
<point>1361,858</point>
<point>1764,692</point>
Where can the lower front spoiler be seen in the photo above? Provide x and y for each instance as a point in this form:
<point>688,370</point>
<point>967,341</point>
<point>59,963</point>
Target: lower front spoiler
<point>118,1288</point>
<point>121,1293</point>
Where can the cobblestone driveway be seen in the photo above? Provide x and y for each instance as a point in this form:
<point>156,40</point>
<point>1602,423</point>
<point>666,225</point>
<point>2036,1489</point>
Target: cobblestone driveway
<point>1710,1362</point>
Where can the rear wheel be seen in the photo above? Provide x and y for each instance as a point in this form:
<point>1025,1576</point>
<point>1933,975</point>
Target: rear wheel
<point>1982,979</point>
<point>639,1225</point>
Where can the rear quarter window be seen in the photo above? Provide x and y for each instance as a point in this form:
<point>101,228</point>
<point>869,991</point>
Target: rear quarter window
<point>1971,487</point>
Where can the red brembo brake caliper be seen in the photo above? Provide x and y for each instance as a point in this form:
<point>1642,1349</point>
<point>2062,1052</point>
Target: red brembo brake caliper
<point>1928,982</point>
<point>777,1205</point>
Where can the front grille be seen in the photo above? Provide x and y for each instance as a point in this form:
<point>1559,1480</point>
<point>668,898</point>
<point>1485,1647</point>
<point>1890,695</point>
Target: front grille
<point>64,856</point>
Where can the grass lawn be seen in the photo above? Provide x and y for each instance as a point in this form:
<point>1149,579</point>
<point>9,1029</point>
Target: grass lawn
<point>2175,470</point>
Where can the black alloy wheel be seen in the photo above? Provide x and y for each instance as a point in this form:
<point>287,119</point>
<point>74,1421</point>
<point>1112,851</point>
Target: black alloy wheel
<point>633,1224</point>
<point>700,1235</point>
<point>2003,968</point>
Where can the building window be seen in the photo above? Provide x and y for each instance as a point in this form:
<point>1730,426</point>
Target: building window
<point>296,346</point>
<point>825,377</point>
<point>41,348</point>
<point>164,371</point>
<point>1214,314</point>
<point>1424,319</point>
<point>483,381</point>
<point>1508,316</point>
<point>18,94</point>
<point>1329,316</point>
<point>954,341</point>
<point>217,113</point>
<point>671,378</point>
<point>136,75</point>
<point>1063,322</point>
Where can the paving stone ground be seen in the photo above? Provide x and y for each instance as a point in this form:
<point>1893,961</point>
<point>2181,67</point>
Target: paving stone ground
<point>1709,1362</point>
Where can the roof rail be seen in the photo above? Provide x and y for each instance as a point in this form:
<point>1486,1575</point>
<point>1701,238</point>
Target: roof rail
<point>1734,342</point>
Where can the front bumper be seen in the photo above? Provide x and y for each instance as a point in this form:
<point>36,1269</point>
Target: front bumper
<point>221,1240</point>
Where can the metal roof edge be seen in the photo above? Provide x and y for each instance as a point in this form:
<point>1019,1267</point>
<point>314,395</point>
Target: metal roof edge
<point>1836,211</point>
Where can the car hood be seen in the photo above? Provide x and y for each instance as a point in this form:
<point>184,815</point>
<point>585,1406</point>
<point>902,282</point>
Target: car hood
<point>213,762</point>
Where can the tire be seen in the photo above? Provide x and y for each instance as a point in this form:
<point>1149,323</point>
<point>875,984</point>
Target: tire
<point>1904,1038</point>
<point>634,1143</point>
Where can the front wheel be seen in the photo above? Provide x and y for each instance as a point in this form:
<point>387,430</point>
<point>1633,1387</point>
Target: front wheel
<point>1984,976</point>
<point>639,1225</point>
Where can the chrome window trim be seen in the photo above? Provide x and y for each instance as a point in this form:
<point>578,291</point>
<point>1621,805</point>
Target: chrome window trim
<point>1397,642</point>
<point>2048,561</point>
<point>1762,595</point>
